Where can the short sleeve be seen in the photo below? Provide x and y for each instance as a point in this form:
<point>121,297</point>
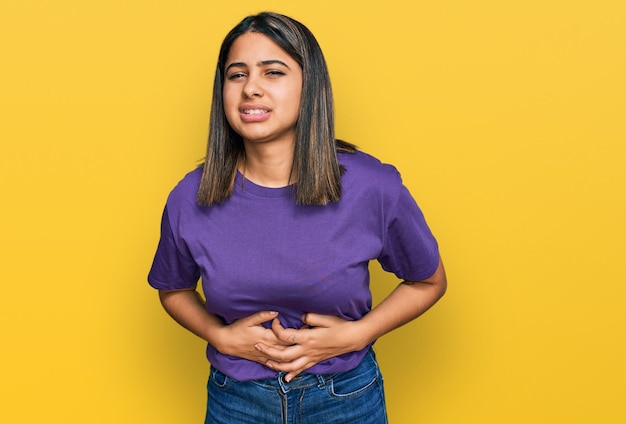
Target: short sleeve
<point>410,250</point>
<point>173,267</point>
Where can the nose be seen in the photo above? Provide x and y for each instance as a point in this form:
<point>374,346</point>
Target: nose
<point>252,88</point>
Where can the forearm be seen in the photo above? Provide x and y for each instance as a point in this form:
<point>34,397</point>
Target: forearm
<point>187,308</point>
<point>408,301</point>
<point>236,339</point>
<point>326,336</point>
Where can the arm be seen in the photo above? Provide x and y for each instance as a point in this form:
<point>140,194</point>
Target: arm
<point>408,301</point>
<point>332,336</point>
<point>237,339</point>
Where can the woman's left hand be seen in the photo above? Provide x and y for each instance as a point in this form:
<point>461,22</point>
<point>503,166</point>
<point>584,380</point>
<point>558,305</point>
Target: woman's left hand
<point>327,336</point>
<point>322,337</point>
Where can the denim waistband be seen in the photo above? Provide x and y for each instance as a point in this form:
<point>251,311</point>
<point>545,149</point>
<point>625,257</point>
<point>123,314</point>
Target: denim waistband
<point>305,380</point>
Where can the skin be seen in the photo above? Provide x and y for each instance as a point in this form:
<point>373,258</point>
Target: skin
<point>262,76</point>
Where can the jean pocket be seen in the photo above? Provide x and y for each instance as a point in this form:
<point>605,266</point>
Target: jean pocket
<point>357,381</point>
<point>218,378</point>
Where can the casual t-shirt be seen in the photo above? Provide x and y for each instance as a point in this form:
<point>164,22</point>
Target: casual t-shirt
<point>258,250</point>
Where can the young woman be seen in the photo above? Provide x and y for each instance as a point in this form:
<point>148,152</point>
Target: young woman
<point>280,224</point>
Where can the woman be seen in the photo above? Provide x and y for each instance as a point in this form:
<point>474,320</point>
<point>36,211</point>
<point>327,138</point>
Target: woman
<point>280,223</point>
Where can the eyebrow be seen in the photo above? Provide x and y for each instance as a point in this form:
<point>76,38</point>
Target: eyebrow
<point>262,63</point>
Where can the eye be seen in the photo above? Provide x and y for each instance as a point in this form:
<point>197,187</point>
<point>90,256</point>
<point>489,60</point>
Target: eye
<point>274,73</point>
<point>236,75</point>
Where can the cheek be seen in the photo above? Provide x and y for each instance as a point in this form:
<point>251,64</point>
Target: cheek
<point>295,107</point>
<point>296,97</point>
<point>226,98</point>
<point>230,107</point>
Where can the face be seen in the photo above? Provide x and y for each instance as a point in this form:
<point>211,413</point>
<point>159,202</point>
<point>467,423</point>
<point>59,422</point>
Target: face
<point>262,90</point>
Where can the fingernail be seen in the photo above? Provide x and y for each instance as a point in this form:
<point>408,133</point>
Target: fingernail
<point>257,347</point>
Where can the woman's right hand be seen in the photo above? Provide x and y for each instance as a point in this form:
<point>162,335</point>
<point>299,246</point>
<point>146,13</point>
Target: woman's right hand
<point>240,337</point>
<point>237,339</point>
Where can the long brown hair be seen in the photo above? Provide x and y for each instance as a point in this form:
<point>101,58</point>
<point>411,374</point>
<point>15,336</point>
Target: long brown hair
<point>315,165</point>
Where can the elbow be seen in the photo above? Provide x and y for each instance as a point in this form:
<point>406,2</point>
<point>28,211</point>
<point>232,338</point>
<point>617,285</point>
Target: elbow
<point>443,287</point>
<point>167,297</point>
<point>440,280</point>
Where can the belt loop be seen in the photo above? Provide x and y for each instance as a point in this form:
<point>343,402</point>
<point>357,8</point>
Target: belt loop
<point>322,380</point>
<point>282,384</point>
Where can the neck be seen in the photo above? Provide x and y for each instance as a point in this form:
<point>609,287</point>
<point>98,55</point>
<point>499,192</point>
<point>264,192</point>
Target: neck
<point>268,165</point>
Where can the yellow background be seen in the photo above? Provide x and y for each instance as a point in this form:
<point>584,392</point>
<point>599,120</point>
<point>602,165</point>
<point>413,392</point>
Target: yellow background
<point>506,119</point>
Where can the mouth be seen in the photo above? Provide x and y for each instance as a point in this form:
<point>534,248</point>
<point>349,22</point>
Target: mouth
<point>254,111</point>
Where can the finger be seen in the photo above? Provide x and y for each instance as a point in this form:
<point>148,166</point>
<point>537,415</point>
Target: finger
<point>260,317</point>
<point>290,376</point>
<point>287,335</point>
<point>293,374</point>
<point>292,369</point>
<point>277,326</point>
<point>279,354</point>
<point>319,320</point>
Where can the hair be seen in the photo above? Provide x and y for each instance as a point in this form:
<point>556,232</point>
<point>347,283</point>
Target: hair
<point>315,166</point>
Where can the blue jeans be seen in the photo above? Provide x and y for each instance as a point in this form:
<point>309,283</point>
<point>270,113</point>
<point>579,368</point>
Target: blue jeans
<point>355,396</point>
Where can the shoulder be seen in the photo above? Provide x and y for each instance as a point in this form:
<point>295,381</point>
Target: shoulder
<point>364,168</point>
<point>185,192</point>
<point>367,179</point>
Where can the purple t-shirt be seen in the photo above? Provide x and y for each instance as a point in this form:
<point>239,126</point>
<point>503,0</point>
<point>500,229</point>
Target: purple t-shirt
<point>258,250</point>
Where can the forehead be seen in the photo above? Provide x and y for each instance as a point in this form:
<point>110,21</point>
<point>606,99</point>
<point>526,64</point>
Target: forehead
<point>253,47</point>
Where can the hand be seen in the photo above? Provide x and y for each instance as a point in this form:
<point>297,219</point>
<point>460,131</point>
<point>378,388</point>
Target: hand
<point>323,337</point>
<point>240,337</point>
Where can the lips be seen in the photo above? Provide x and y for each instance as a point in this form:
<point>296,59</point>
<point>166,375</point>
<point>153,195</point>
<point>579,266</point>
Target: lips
<point>254,113</point>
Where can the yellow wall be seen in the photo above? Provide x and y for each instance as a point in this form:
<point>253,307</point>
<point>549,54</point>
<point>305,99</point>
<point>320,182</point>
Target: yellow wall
<point>507,120</point>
